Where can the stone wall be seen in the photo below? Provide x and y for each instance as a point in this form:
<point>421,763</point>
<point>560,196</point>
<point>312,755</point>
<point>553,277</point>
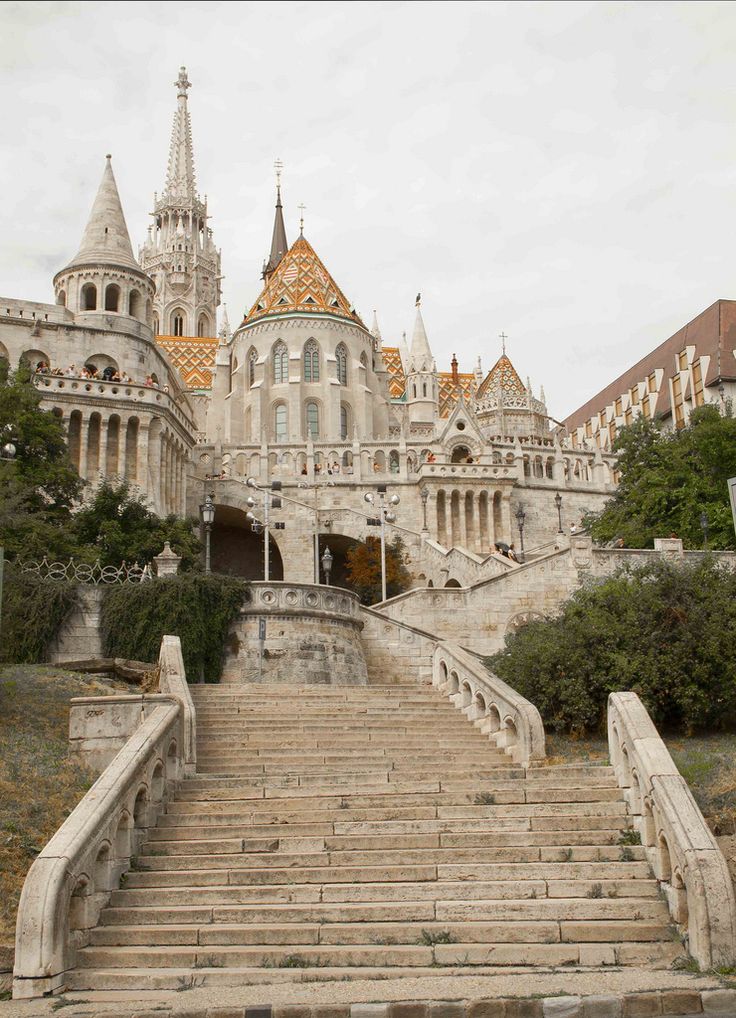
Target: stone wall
<point>80,638</point>
<point>311,636</point>
<point>395,652</point>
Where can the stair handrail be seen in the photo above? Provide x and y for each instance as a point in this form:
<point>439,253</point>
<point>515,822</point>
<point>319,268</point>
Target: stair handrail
<point>70,881</point>
<point>510,720</point>
<point>173,680</point>
<point>681,849</point>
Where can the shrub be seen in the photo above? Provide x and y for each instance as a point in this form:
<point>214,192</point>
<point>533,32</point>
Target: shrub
<point>33,612</point>
<point>199,609</point>
<point>664,630</point>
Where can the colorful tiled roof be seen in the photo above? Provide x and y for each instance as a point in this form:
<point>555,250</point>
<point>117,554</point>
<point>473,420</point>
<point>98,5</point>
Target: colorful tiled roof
<point>502,375</point>
<point>193,357</point>
<point>301,283</point>
<point>450,390</point>
<point>396,376</point>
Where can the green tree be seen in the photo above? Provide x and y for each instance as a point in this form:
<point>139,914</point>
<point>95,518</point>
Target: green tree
<point>663,630</point>
<point>668,479</point>
<point>122,528</point>
<point>39,487</point>
<point>363,569</point>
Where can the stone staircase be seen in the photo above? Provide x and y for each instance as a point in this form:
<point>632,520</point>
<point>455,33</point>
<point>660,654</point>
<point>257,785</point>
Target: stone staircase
<point>358,832</point>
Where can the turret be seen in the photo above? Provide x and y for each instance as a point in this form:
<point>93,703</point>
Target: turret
<point>179,253</point>
<point>104,277</point>
<point>421,378</point>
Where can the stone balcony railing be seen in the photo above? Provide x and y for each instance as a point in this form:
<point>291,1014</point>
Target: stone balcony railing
<point>136,394</point>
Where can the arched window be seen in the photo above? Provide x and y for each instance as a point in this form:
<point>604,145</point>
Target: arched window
<point>112,297</point>
<point>311,361</point>
<point>281,423</point>
<point>364,361</point>
<point>89,297</point>
<point>203,326</point>
<point>280,363</point>
<point>155,325</point>
<point>341,356</point>
<point>312,420</point>
<point>177,323</point>
<point>252,358</point>
<point>135,304</point>
<point>344,421</point>
<point>61,299</point>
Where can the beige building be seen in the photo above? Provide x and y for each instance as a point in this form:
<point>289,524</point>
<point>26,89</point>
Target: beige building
<point>302,393</point>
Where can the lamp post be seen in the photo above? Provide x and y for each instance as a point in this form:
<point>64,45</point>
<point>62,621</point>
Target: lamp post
<point>207,509</point>
<point>385,515</point>
<point>327,564</point>
<point>424,495</point>
<point>558,503</point>
<point>704,528</point>
<point>258,526</point>
<point>520,517</point>
<point>8,453</point>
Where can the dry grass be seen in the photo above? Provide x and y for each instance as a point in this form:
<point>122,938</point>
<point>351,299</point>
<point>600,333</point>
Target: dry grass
<point>39,782</point>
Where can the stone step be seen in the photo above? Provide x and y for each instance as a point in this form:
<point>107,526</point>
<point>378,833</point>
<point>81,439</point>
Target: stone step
<point>509,910</point>
<point>429,890</point>
<point>339,955</point>
<point>381,933</point>
<point>586,958</point>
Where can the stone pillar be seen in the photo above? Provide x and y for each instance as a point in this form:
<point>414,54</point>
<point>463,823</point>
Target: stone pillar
<point>506,518</point>
<point>83,445</point>
<point>141,478</point>
<point>461,515</point>
<point>357,466</point>
<point>167,561</point>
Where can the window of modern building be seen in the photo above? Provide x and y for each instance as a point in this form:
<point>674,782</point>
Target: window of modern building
<point>678,400</point>
<point>280,363</point>
<point>341,356</point>
<point>311,361</point>
<point>652,382</point>
<point>682,360</point>
<point>312,420</point>
<point>698,393</point>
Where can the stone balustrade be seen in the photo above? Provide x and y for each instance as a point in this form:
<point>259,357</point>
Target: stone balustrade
<point>511,722</point>
<point>71,880</point>
<point>681,849</point>
<point>279,598</point>
<point>147,396</point>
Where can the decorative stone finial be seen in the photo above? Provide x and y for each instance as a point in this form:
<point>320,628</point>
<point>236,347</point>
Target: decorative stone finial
<point>182,83</point>
<point>167,561</point>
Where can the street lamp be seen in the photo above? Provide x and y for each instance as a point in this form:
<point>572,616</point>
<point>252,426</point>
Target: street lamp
<point>558,503</point>
<point>327,564</point>
<point>520,517</point>
<point>207,509</point>
<point>263,526</point>
<point>704,528</point>
<point>8,453</point>
<point>424,495</point>
<point>385,515</point>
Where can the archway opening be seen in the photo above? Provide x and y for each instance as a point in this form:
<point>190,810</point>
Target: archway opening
<point>237,551</point>
<point>460,454</point>
<point>339,545</point>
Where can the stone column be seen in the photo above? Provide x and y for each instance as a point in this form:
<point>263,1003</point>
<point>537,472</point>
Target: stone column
<point>141,478</point>
<point>83,444</point>
<point>506,518</point>
<point>461,514</point>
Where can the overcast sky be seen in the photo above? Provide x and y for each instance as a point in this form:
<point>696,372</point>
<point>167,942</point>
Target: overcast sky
<point>563,172</point>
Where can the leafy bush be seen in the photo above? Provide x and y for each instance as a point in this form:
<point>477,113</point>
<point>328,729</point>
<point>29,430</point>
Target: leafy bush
<point>33,612</point>
<point>199,609</point>
<point>664,630</point>
<point>363,569</point>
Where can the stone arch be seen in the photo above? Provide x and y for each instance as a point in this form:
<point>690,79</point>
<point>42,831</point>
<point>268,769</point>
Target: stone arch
<point>140,809</point>
<point>203,325</point>
<point>136,308</point>
<point>454,683</point>
<point>177,320</point>
<point>443,672</point>
<point>237,550</point>
<point>35,359</point>
<point>341,363</point>
<point>102,871</point>
<point>102,366</point>
<point>79,908</point>
<point>122,842</point>
<point>664,859</point>
<point>494,718</point>
<point>279,363</point>
<point>466,694</point>
<point>460,452</point>
<point>88,297</point>
<point>393,461</point>
<point>61,298</point>
<point>311,361</point>
<point>172,762</point>
<point>452,583</point>
<point>158,783</point>
<point>112,297</point>
<point>379,461</point>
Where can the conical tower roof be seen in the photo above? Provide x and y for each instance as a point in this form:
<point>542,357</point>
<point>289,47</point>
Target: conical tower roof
<point>301,284</point>
<point>502,376</point>
<point>420,356</point>
<point>279,245</point>
<point>106,240</point>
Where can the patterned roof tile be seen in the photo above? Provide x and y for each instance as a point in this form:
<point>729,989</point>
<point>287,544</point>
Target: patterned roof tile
<point>193,357</point>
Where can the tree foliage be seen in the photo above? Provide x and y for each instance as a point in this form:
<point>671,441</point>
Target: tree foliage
<point>122,528</point>
<point>197,608</point>
<point>664,630</point>
<point>668,479</point>
<point>363,569</point>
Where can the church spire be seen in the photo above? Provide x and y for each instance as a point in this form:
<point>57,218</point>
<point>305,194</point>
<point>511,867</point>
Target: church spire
<point>420,356</point>
<point>180,174</point>
<point>279,245</point>
<point>106,239</point>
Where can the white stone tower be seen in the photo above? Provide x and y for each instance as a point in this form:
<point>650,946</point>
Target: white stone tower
<point>103,277</point>
<point>179,253</point>
<point>421,377</point>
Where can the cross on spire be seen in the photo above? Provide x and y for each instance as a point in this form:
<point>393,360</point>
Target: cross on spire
<point>278,166</point>
<point>302,208</point>
<point>503,337</point>
<point>182,83</point>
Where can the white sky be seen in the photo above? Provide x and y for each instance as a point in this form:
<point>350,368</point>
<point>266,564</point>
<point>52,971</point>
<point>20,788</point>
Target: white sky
<point>560,171</point>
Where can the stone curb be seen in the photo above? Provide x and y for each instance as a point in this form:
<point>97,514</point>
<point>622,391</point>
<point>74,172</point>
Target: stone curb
<point>686,1003</point>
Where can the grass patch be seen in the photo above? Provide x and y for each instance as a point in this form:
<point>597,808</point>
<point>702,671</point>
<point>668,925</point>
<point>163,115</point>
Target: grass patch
<point>431,937</point>
<point>40,784</point>
<point>484,799</point>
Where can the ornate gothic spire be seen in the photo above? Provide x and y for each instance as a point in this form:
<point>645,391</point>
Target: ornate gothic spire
<point>180,175</point>
<point>106,240</point>
<point>279,245</point>
<point>420,356</point>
